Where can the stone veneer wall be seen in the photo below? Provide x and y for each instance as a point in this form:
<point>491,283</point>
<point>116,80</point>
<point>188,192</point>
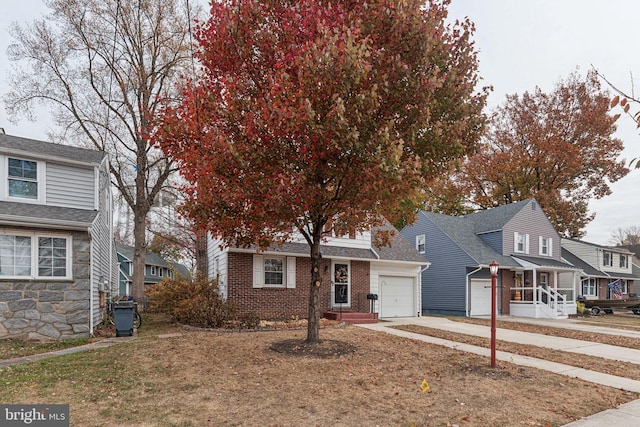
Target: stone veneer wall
<point>55,309</point>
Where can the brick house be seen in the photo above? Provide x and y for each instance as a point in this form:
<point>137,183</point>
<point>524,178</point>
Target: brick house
<point>275,283</point>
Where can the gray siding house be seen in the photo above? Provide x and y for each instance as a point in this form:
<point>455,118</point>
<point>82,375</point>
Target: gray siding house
<point>607,272</point>
<point>519,237</point>
<point>57,258</point>
<point>156,269</point>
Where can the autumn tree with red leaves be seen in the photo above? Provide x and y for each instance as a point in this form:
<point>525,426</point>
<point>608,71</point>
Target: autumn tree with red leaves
<point>556,147</point>
<point>310,111</point>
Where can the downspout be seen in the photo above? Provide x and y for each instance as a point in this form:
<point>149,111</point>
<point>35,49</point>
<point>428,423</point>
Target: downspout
<point>420,288</point>
<point>91,280</point>
<point>466,290</point>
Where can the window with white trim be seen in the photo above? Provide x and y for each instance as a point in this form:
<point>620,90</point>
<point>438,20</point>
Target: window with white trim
<point>32,255</point>
<point>607,259</point>
<point>22,178</point>
<point>545,246</point>
<point>520,243</point>
<point>152,270</point>
<point>589,287</point>
<point>161,272</point>
<point>420,243</point>
<point>270,271</point>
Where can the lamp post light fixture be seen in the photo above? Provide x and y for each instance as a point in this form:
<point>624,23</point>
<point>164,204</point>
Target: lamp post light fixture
<point>493,268</point>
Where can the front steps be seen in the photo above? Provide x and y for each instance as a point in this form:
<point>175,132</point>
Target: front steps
<point>352,317</point>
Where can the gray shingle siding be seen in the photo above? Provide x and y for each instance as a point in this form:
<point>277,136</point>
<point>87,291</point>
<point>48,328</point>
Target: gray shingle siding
<point>533,221</point>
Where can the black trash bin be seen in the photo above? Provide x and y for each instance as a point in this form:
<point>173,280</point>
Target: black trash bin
<point>123,316</point>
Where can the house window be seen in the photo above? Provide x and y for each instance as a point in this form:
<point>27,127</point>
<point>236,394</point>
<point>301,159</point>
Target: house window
<point>274,271</point>
<point>521,243</point>
<point>420,243</point>
<point>161,271</point>
<point>23,178</point>
<point>590,287</point>
<point>35,256</point>
<point>545,246</point>
<point>623,261</point>
<point>15,255</point>
<point>607,259</point>
<point>52,256</point>
<point>152,270</point>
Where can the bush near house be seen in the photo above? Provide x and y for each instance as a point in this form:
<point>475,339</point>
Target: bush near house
<point>195,303</point>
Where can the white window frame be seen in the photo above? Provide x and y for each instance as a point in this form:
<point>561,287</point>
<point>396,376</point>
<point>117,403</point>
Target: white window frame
<point>421,243</point>
<point>288,275</point>
<point>545,246</point>
<point>161,272</point>
<point>35,255</point>
<point>591,286</point>
<point>40,174</point>
<point>520,238</point>
<point>152,270</point>
<point>604,259</point>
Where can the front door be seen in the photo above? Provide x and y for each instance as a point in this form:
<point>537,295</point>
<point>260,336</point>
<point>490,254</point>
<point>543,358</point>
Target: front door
<point>341,284</point>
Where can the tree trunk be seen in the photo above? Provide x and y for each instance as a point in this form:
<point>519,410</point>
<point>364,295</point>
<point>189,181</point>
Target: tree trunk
<point>139,256</point>
<point>313,325</point>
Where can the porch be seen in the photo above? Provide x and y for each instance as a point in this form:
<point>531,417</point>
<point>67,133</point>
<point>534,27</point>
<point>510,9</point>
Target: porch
<point>542,303</point>
<point>543,289</point>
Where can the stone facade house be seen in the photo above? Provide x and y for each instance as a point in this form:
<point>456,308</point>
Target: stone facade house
<point>57,257</point>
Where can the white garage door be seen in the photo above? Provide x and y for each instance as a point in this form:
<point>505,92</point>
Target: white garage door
<point>397,296</point>
<point>480,297</point>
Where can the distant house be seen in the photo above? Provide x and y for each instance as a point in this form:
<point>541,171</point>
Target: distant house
<point>275,283</point>
<point>156,269</point>
<point>519,237</point>
<point>56,252</point>
<point>607,272</point>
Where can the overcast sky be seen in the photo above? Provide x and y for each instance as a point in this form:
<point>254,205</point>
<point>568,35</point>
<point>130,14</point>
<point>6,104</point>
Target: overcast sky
<point>522,44</point>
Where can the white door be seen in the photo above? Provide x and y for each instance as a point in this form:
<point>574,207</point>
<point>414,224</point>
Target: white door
<point>480,297</point>
<point>397,296</point>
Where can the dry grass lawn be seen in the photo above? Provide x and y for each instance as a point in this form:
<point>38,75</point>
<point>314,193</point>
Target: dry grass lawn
<point>236,379</point>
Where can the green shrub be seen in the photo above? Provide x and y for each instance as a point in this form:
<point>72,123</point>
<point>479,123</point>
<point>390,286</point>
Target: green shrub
<point>195,303</point>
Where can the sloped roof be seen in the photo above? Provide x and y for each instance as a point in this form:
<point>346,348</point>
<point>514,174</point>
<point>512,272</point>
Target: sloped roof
<point>462,230</point>
<point>545,262</point>
<point>495,218</point>
<point>46,150</point>
<point>45,216</point>
<point>399,250</point>
<point>151,257</point>
<point>588,269</point>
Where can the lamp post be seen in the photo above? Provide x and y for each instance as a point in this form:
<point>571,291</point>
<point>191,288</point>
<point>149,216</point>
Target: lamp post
<point>493,268</point>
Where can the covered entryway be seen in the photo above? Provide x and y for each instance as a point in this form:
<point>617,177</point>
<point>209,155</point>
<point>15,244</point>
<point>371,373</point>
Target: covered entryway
<point>480,297</point>
<point>397,296</point>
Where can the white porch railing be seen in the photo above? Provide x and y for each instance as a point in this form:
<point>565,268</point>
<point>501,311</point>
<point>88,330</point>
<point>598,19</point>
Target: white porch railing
<point>542,302</point>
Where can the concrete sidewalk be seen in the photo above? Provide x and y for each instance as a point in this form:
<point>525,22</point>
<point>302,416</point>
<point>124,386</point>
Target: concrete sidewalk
<point>108,342</point>
<point>625,416</point>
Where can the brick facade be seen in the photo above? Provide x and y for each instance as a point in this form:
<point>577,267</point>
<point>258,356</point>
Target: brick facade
<point>281,303</point>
